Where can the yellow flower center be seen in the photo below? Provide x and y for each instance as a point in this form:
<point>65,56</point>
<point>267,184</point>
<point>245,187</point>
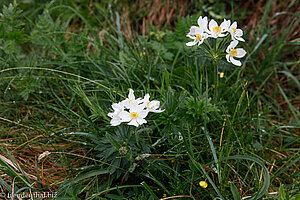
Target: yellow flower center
<point>131,100</point>
<point>217,29</point>
<point>203,184</point>
<point>234,30</point>
<point>134,115</point>
<point>233,53</point>
<point>198,37</point>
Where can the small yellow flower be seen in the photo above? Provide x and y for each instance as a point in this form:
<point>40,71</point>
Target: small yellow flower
<point>203,184</point>
<point>221,74</point>
<point>143,53</point>
<point>164,195</point>
<point>172,160</point>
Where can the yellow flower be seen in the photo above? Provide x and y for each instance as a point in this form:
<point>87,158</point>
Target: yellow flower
<point>203,184</point>
<point>143,53</point>
<point>164,195</point>
<point>221,74</point>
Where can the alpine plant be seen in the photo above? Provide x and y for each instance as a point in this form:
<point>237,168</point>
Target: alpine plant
<point>132,110</point>
<point>211,29</point>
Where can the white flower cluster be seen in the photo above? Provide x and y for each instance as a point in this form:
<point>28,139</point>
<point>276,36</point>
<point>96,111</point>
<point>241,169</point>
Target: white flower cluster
<point>133,110</point>
<point>213,30</point>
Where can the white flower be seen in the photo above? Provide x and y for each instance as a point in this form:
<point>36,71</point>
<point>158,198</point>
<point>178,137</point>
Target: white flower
<point>225,25</point>
<point>133,110</point>
<point>131,100</point>
<point>236,34</point>
<point>192,30</point>
<point>232,52</point>
<point>197,35</point>
<point>218,31</point>
<point>202,23</point>
<point>118,108</point>
<point>180,138</point>
<point>152,106</point>
<point>135,116</point>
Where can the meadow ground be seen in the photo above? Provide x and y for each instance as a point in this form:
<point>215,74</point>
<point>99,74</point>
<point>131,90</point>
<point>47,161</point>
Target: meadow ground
<point>219,131</point>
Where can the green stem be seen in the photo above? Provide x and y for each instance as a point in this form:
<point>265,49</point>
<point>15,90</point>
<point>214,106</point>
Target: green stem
<point>211,50</point>
<point>224,41</point>
<point>216,81</point>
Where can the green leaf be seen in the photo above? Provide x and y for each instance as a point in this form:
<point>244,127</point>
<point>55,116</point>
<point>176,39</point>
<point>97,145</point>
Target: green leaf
<point>86,135</point>
<point>147,187</point>
<point>281,193</point>
<point>235,192</point>
<point>89,174</point>
<point>113,141</point>
<point>289,74</point>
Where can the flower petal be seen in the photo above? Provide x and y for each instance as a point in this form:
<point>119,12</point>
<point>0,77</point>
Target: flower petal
<point>189,44</point>
<point>133,123</point>
<point>227,57</point>
<point>192,30</point>
<point>125,116</point>
<point>240,39</point>
<point>199,30</point>
<point>239,32</point>
<point>225,25</point>
<point>235,62</point>
<point>115,122</point>
<point>192,37</point>
<point>141,121</point>
<point>212,24</point>
<point>232,45</point>
<point>213,35</point>
<point>154,104</point>
<point>222,35</point>
<point>143,114</point>
<point>158,111</point>
<point>233,25</point>
<point>146,98</point>
<point>140,108</point>
<point>201,41</point>
<point>114,106</point>
<point>111,115</point>
<point>200,21</point>
<point>240,52</point>
<point>131,94</point>
<point>205,21</point>
<point>204,35</point>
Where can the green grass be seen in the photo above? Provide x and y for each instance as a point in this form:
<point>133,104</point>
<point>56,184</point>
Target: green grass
<point>63,65</point>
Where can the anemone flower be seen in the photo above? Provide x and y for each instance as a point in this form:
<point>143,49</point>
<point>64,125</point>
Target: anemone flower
<point>233,52</point>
